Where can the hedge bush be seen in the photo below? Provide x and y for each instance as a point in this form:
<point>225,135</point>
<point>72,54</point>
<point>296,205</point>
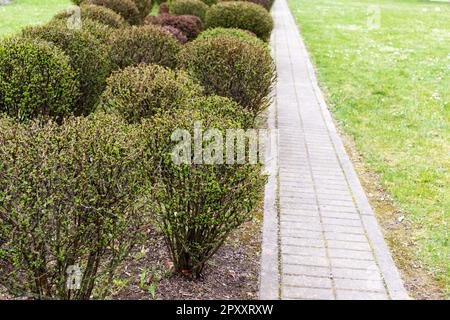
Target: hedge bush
<point>68,197</point>
<point>142,91</point>
<point>35,79</point>
<point>144,7</point>
<point>163,8</point>
<point>209,2</point>
<point>189,7</point>
<point>126,8</point>
<point>89,58</point>
<point>100,31</point>
<point>191,26</point>
<point>243,35</point>
<point>143,44</point>
<point>180,36</point>
<point>97,13</point>
<point>198,205</point>
<point>267,4</point>
<point>242,15</point>
<point>232,68</point>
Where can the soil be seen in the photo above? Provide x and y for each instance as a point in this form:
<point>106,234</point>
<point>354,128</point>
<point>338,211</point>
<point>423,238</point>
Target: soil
<point>232,273</point>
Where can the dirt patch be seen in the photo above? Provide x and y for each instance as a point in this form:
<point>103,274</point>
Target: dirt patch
<point>397,231</point>
<point>232,273</point>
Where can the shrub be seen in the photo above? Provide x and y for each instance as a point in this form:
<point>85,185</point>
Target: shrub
<point>180,36</point>
<point>189,7</point>
<point>68,197</point>
<point>191,26</point>
<point>97,13</point>
<point>142,91</point>
<point>126,8</point>
<point>163,8</point>
<point>143,44</point>
<point>144,7</point>
<point>243,35</point>
<point>35,79</point>
<point>209,2</point>
<point>100,31</point>
<point>242,15</point>
<point>88,56</point>
<point>231,68</point>
<point>198,205</point>
<point>267,4</point>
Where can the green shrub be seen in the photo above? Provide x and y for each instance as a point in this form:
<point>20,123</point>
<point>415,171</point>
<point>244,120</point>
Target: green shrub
<point>144,7</point>
<point>198,205</point>
<point>242,15</point>
<point>189,7</point>
<point>68,197</point>
<point>209,2</point>
<point>243,35</point>
<point>97,13</point>
<point>126,8</point>
<point>142,91</point>
<point>267,4</point>
<point>89,58</point>
<point>144,44</point>
<point>35,79</point>
<point>99,30</point>
<point>232,68</point>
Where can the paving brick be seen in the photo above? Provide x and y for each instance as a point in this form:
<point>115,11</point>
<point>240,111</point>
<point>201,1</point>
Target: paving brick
<point>303,250</point>
<point>363,285</point>
<point>306,281</point>
<point>359,295</point>
<point>306,293</point>
<point>306,270</point>
<point>304,260</point>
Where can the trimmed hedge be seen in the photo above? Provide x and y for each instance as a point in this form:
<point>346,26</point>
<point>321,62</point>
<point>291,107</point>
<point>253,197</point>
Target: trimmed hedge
<point>180,36</point>
<point>243,35</point>
<point>267,4</point>
<point>191,26</point>
<point>143,44</point>
<point>198,205</point>
<point>229,67</point>
<point>69,197</point>
<point>126,8</point>
<point>99,30</point>
<point>145,90</point>
<point>189,7</point>
<point>144,7</point>
<point>98,13</point>
<point>35,79</point>
<point>242,15</point>
<point>209,2</point>
<point>88,56</point>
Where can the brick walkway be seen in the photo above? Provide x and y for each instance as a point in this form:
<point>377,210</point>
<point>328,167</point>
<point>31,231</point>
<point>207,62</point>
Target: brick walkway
<point>320,237</point>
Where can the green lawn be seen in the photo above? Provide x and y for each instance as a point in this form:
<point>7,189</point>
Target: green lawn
<point>389,87</point>
<point>21,13</point>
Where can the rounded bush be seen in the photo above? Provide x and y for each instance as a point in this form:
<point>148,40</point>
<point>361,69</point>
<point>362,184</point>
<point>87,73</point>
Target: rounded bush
<point>242,15</point>
<point>180,36</point>
<point>99,30</point>
<point>126,8</point>
<point>144,7</point>
<point>264,3</point>
<point>198,204</point>
<point>143,44</point>
<point>189,7</point>
<point>243,35</point>
<point>98,13</point>
<point>69,193</point>
<point>142,91</point>
<point>191,26</point>
<point>209,2</point>
<point>35,79</point>
<point>88,57</point>
<point>163,8</point>
<point>231,68</point>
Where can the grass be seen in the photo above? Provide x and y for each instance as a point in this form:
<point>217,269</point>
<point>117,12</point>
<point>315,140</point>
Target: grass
<point>21,13</point>
<point>388,86</point>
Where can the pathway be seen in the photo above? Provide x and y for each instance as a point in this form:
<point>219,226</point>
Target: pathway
<point>321,239</point>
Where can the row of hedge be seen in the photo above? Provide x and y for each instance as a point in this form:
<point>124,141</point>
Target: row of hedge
<point>86,141</point>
